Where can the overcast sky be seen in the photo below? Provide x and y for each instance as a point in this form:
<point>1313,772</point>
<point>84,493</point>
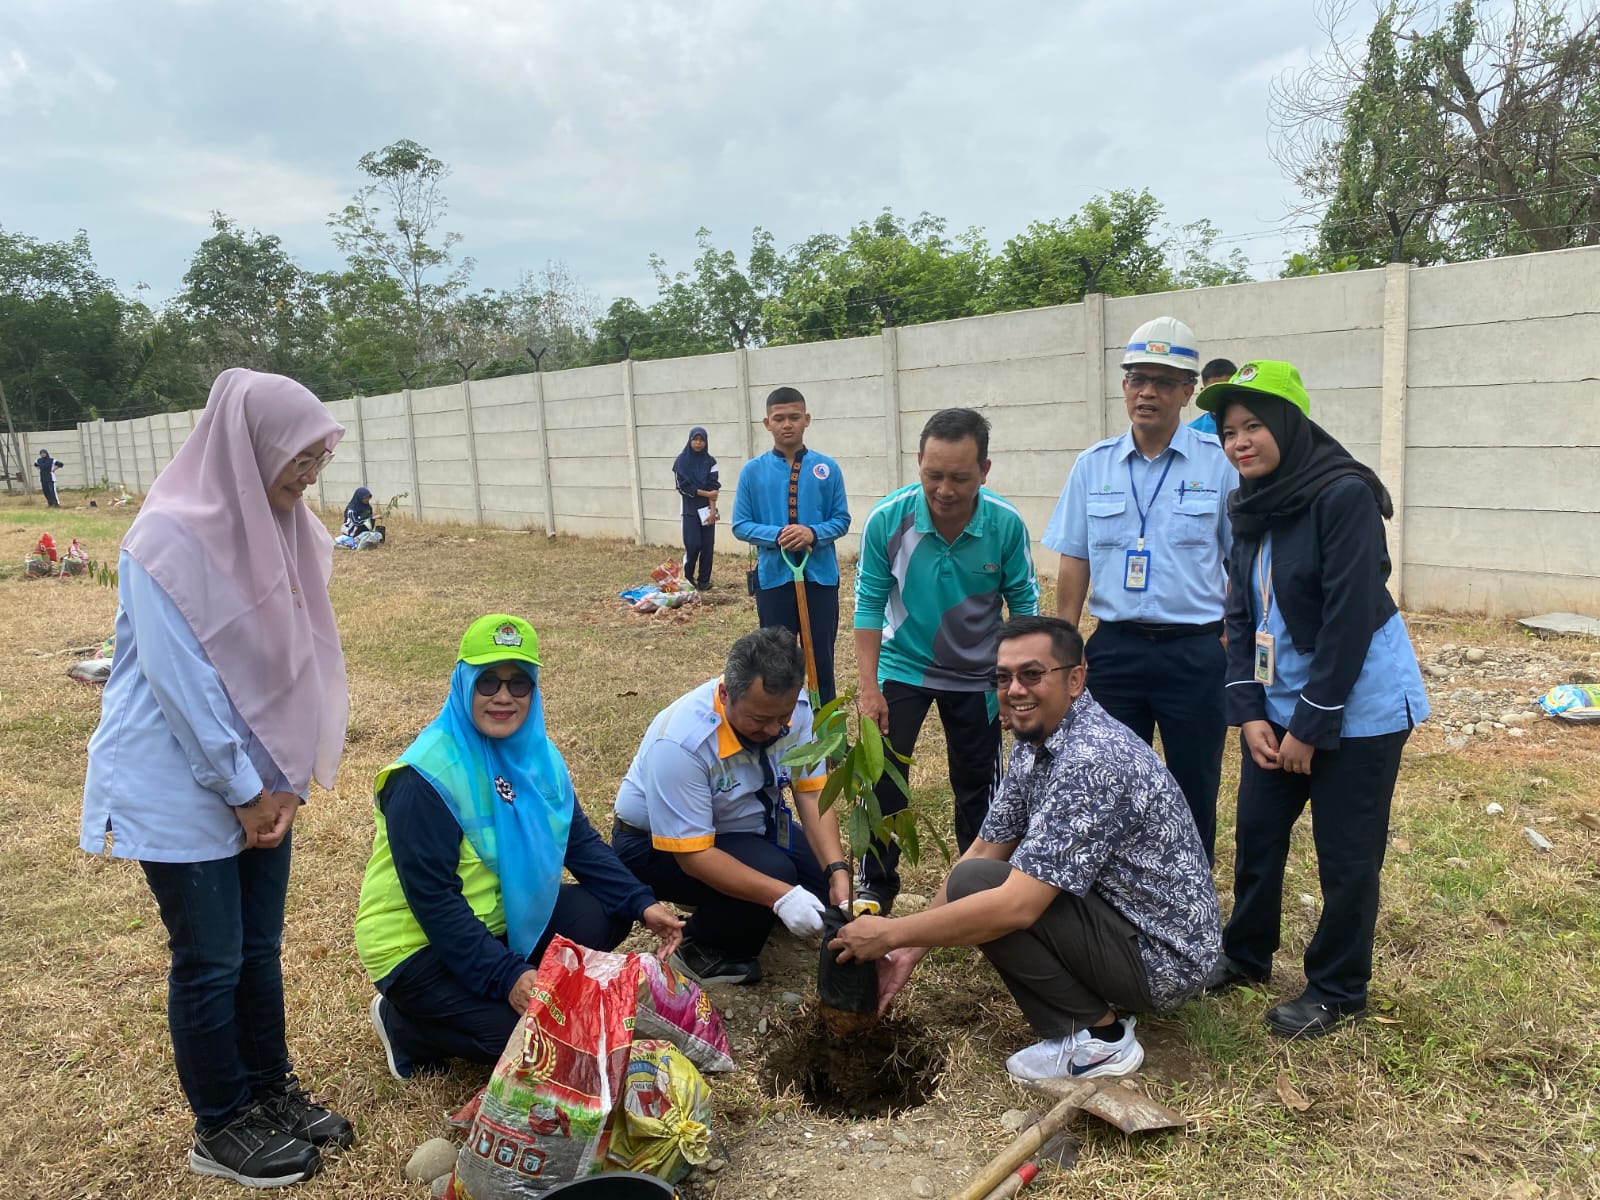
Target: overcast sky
<point>595,133</point>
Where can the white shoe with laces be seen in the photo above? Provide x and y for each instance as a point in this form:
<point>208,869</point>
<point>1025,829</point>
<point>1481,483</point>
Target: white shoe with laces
<point>1079,1056</point>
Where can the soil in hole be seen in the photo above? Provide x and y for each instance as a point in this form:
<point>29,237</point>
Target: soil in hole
<point>893,1066</point>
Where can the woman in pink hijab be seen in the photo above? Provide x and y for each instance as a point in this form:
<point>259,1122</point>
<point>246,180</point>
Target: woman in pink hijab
<point>227,697</point>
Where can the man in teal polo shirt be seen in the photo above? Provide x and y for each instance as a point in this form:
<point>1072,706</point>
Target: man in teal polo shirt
<point>938,558</point>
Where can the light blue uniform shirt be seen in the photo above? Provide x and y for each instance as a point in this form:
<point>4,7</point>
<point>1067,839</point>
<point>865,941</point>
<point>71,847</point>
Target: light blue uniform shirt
<point>1187,532</point>
<point>1388,696</point>
<point>171,753</point>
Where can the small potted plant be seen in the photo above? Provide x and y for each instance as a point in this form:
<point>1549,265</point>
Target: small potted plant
<point>848,992</point>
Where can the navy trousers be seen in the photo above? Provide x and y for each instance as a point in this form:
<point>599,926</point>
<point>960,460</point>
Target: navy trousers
<point>728,927</point>
<point>1349,790</point>
<point>699,543</point>
<point>432,1016</point>
<point>1175,686</point>
<point>778,606</point>
<point>224,922</point>
<point>972,755</point>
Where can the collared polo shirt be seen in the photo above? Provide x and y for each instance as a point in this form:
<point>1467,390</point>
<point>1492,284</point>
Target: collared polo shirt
<point>938,602</point>
<point>1187,532</point>
<point>693,779</point>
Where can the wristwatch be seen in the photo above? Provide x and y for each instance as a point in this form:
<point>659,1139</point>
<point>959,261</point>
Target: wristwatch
<point>836,866</point>
<point>254,800</point>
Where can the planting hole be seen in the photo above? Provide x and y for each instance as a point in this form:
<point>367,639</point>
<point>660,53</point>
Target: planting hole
<point>891,1067</point>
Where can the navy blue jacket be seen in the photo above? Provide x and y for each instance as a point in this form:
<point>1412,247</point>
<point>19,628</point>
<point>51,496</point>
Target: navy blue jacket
<point>1329,567</point>
<point>427,853</point>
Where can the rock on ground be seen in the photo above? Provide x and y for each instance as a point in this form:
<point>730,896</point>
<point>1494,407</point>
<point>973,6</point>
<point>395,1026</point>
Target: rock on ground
<point>435,1157</point>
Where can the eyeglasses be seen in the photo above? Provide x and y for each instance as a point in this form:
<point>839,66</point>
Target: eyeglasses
<point>1165,384</point>
<point>306,464</point>
<point>519,685</point>
<point>1029,677</point>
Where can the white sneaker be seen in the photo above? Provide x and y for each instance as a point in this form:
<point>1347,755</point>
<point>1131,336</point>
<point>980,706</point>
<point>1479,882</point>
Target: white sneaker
<point>1078,1057</point>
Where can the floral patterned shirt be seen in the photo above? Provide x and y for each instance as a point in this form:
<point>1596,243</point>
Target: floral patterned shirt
<point>1092,807</point>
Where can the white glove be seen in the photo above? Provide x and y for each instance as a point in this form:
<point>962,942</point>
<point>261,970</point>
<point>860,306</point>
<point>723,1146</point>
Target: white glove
<point>800,911</point>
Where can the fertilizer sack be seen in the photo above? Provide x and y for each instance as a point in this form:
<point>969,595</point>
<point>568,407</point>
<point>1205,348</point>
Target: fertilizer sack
<point>542,1120</point>
<point>662,1125</point>
<point>1573,702</point>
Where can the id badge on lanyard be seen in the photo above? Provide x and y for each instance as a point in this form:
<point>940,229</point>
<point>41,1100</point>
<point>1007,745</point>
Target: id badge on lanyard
<point>782,823</point>
<point>1266,649</point>
<point>1136,566</point>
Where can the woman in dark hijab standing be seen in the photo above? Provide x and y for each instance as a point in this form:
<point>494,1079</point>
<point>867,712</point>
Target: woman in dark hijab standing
<point>695,472</point>
<point>1322,681</point>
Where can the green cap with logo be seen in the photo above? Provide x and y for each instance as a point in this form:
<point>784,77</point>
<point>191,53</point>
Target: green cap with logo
<point>499,637</point>
<point>1263,377</point>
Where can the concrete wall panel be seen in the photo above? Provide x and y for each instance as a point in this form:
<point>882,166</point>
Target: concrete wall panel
<point>813,362</point>
<point>1001,337</point>
<point>1486,292</point>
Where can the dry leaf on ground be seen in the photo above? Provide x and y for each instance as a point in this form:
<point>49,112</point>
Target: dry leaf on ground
<point>1291,1098</point>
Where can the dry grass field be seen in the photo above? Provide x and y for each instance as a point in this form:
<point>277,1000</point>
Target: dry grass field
<point>1478,1076</point>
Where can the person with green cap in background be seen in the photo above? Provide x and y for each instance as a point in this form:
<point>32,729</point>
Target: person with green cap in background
<point>1322,681</point>
<point>463,892</point>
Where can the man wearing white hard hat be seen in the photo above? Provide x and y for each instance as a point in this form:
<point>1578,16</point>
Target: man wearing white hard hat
<point>1143,520</point>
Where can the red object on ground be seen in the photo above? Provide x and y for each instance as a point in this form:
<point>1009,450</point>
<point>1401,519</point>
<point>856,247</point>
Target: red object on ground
<point>47,546</point>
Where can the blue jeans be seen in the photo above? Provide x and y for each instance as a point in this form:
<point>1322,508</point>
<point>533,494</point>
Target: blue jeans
<point>224,922</point>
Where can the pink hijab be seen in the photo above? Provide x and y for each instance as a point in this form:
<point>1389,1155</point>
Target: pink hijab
<point>252,582</point>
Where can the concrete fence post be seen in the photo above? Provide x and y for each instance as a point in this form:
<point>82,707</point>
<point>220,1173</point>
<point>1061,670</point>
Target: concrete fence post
<point>1392,428</point>
<point>544,455</point>
<point>1094,364</point>
<point>472,453</point>
<point>891,407</point>
<point>116,444</point>
<point>361,442</point>
<point>86,451</point>
<point>741,375</point>
<point>631,417</point>
<point>411,455</point>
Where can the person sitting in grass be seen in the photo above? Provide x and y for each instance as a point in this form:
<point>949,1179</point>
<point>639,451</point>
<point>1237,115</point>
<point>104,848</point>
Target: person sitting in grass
<point>463,891</point>
<point>1088,888</point>
<point>358,518</point>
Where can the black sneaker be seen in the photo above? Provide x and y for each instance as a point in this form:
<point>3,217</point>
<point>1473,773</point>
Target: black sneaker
<point>301,1115</point>
<point>706,967</point>
<point>254,1151</point>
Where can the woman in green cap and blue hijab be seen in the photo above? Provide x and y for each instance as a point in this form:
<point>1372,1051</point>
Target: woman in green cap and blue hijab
<point>463,891</point>
<point>1321,680</point>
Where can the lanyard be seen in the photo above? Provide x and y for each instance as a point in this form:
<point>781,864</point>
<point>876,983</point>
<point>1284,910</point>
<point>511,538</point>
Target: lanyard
<point>794,487</point>
<point>1144,513</point>
<point>1264,577</point>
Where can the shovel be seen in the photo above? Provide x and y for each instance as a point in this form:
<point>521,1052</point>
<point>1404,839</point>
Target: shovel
<point>798,570</point>
<point>1129,1111</point>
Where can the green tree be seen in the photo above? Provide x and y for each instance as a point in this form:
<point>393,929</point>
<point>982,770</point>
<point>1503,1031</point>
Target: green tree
<point>63,332</point>
<point>390,230</point>
<point>248,304</point>
<point>883,272</point>
<point>1111,245</point>
<point>1455,132</point>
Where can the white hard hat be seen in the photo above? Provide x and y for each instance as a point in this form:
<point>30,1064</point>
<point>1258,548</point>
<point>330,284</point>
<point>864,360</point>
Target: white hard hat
<point>1165,341</point>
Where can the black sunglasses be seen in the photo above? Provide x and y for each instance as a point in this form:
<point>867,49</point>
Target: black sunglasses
<point>489,684</point>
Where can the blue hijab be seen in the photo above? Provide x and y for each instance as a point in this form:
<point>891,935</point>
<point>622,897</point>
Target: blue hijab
<point>695,469</point>
<point>512,797</point>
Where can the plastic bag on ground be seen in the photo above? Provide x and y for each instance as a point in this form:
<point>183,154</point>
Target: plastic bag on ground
<point>662,1124</point>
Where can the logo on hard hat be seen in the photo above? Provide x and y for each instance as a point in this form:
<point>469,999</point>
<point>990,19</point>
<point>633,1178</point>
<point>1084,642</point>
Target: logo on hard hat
<point>1158,348</point>
<point>1247,373</point>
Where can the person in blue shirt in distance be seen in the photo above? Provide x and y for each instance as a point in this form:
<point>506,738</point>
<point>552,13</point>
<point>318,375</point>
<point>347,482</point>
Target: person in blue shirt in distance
<point>1218,370</point>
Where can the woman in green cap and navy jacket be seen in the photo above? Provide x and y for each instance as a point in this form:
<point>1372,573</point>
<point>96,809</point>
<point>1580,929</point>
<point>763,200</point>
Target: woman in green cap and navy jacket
<point>1322,681</point>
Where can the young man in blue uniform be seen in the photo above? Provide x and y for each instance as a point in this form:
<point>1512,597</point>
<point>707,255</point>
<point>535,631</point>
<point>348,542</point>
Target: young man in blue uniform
<point>1144,518</point>
<point>792,502</point>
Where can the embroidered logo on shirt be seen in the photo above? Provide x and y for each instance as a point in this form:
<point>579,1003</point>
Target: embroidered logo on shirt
<point>503,789</point>
<point>991,566</point>
<point>507,635</point>
<point>820,470</point>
